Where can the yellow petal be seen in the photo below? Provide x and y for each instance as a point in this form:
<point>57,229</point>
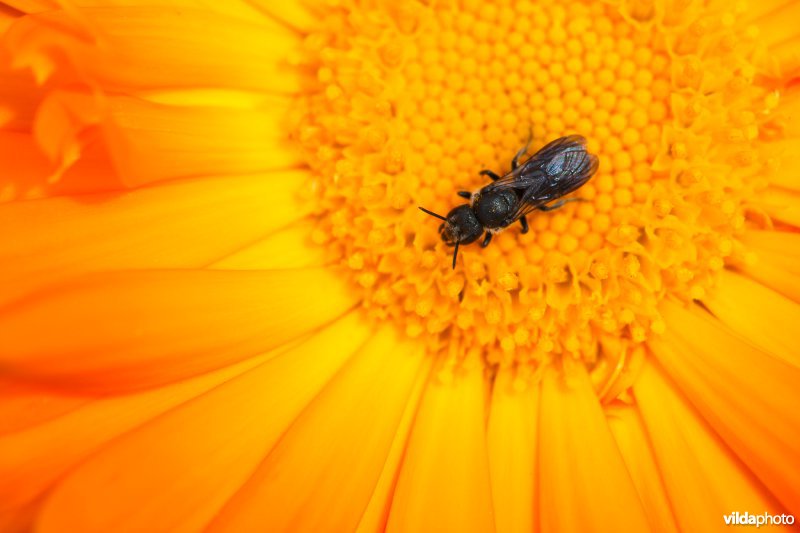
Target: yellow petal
<point>634,445</point>
<point>321,474</point>
<point>144,47</point>
<point>289,247</point>
<point>777,261</point>
<point>704,479</point>
<point>201,452</point>
<point>33,459</point>
<point>779,27</point>
<point>140,328</point>
<point>444,479</point>
<point>152,142</point>
<point>583,483</point>
<point>764,317</point>
<point>754,11</point>
<point>184,224</point>
<point>782,204</point>
<point>512,445</point>
<point>786,155</point>
<point>747,396</point>
<point>376,512</point>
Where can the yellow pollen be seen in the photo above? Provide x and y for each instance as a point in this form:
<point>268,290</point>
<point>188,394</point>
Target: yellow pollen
<point>411,100</point>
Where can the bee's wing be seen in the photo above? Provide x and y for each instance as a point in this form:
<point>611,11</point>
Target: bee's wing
<point>574,171</point>
<point>534,169</point>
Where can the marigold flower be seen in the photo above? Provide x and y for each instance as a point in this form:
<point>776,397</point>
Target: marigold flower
<point>220,308</point>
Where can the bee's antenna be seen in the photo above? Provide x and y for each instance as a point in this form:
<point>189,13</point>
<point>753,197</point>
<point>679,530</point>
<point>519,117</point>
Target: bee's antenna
<point>431,213</point>
<point>455,254</point>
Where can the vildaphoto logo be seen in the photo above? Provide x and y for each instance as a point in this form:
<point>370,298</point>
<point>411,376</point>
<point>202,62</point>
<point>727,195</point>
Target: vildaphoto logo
<point>746,519</point>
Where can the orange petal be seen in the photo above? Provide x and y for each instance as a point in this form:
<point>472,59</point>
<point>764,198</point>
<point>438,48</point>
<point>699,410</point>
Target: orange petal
<point>29,171</point>
<point>747,396</point>
<point>19,97</point>
<point>33,459</point>
<point>512,445</point>
<point>704,479</point>
<point>771,328</point>
<point>303,486</point>
<point>634,445</point>
<point>25,405</point>
<point>144,47</point>
<point>140,328</point>
<point>444,479</point>
<point>201,452</point>
<point>583,483</point>
<point>184,224</point>
<point>777,263</point>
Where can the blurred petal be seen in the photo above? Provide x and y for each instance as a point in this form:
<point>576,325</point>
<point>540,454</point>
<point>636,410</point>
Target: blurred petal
<point>26,405</point>
<point>785,154</point>
<point>747,396</point>
<point>583,483</point>
<point>147,47</point>
<point>33,459</point>
<point>780,35</point>
<point>185,224</point>
<point>134,329</point>
<point>782,204</point>
<point>772,328</point>
<point>704,479</point>
<point>290,247</point>
<point>201,452</point>
<point>512,445</point>
<point>634,445</point>
<point>444,477</point>
<point>303,486</point>
<point>777,263</point>
<point>193,140</point>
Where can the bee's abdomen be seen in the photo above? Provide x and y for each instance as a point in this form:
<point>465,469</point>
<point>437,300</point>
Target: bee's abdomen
<point>494,208</point>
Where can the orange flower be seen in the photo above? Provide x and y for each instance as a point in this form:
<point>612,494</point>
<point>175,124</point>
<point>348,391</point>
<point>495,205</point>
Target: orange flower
<point>221,310</point>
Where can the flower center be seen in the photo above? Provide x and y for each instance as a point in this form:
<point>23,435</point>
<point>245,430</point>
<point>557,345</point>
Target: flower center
<point>411,102</point>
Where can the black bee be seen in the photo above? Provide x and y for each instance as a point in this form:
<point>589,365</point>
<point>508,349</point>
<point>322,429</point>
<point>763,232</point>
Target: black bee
<point>554,171</point>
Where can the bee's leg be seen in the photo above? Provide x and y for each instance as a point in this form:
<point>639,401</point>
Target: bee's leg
<point>522,151</point>
<point>464,194</point>
<point>487,239</point>
<point>524,223</point>
<point>489,173</point>
<point>559,204</point>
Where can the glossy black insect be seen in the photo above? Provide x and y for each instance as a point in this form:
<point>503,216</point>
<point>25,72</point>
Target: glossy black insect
<point>556,170</point>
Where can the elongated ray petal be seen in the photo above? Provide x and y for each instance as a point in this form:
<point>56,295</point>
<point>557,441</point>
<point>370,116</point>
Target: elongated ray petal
<point>512,440</point>
<point>773,328</point>
<point>747,396</point>
<point>444,478</point>
<point>634,445</point>
<point>200,453</point>
<point>321,474</point>
<point>142,328</point>
<point>703,478</point>
<point>184,224</point>
<point>583,483</point>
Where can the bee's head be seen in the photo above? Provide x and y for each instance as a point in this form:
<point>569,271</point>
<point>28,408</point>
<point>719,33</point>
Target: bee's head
<point>461,226</point>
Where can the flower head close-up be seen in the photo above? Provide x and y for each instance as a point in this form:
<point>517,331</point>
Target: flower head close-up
<point>228,302</point>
